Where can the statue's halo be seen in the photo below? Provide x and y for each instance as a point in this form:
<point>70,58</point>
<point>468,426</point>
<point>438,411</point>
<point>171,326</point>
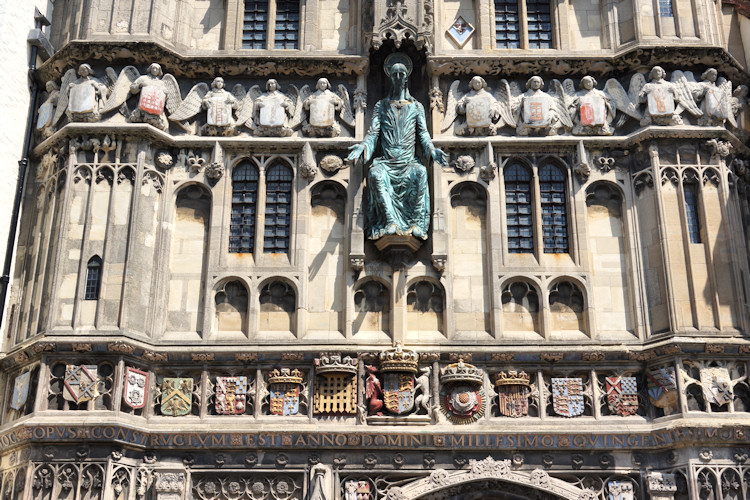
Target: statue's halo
<point>395,58</point>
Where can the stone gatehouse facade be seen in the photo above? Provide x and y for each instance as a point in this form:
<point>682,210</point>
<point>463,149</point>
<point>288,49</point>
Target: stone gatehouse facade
<point>198,312</point>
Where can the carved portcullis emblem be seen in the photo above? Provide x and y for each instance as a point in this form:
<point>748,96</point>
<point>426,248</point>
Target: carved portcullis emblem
<point>622,395</point>
<point>398,368</point>
<point>176,396</point>
<point>80,383</point>
<point>284,386</point>
<point>20,391</point>
<point>717,385</point>
<point>336,385</point>
<point>136,384</point>
<point>462,396</point>
<point>567,396</point>
<point>231,395</point>
<point>513,390</point>
<point>620,490</point>
<point>662,388</point>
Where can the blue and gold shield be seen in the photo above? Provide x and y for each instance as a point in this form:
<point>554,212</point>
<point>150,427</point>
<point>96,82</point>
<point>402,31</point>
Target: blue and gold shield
<point>398,392</point>
<point>20,391</point>
<point>284,399</point>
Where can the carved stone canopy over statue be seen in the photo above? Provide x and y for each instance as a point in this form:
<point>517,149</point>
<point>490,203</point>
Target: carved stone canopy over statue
<point>321,107</point>
<point>82,98</point>
<point>398,200</point>
<point>156,91</point>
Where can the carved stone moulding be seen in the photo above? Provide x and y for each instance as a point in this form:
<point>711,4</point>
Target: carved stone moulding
<point>639,56</point>
<point>181,65</point>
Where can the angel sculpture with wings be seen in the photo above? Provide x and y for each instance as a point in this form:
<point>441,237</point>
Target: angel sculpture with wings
<point>277,114</point>
<point>483,112</point>
<point>716,98</point>
<point>666,100</point>
<point>321,107</point>
<point>219,104</point>
<point>593,111</point>
<point>156,91</point>
<point>47,110</point>
<point>82,98</point>
<point>536,112</point>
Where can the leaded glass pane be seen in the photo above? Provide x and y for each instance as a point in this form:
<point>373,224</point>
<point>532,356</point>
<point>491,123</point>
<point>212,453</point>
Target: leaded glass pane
<point>278,209</point>
<point>244,201</point>
<point>518,209</point>
<point>506,24</point>
<point>554,209</point>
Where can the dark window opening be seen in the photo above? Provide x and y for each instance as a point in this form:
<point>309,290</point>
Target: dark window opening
<point>507,32</point>
<point>255,24</point>
<point>691,213</point>
<point>278,209</point>
<point>244,200</point>
<point>554,213</point>
<point>287,25</point>
<point>518,209</point>
<point>93,279</point>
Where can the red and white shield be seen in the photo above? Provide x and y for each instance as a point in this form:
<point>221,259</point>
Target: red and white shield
<point>660,102</point>
<point>622,395</point>
<point>136,384</point>
<point>717,103</point>
<point>81,383</point>
<point>152,100</point>
<point>593,111</point>
<point>231,394</point>
<point>536,111</point>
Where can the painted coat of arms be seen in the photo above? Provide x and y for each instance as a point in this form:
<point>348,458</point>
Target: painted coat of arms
<point>622,395</point>
<point>620,490</point>
<point>717,385</point>
<point>567,396</point>
<point>398,368</point>
<point>152,100</point>
<point>662,387</point>
<point>20,391</point>
<point>284,388</point>
<point>136,384</point>
<point>231,395</point>
<point>81,383</point>
<point>356,490</point>
<point>176,396</point>
<point>513,389</point>
<point>462,396</point>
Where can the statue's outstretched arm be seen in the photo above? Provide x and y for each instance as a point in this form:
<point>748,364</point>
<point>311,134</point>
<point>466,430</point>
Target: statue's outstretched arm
<point>424,138</point>
<point>367,146</point>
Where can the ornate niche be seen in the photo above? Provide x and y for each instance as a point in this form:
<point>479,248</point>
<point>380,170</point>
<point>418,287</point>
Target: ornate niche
<point>399,20</point>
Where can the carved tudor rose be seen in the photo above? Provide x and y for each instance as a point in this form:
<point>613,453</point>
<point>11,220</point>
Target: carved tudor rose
<point>136,385</point>
<point>81,383</point>
<point>336,385</point>
<point>231,395</point>
<point>717,385</point>
<point>397,368</point>
<point>567,396</point>
<point>662,388</point>
<point>176,396</point>
<point>622,395</point>
<point>20,391</point>
<point>284,387</point>
<point>462,397</point>
<point>513,390</point>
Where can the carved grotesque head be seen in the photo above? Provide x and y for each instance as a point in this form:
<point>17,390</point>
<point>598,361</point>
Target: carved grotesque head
<point>588,83</point>
<point>85,70</point>
<point>657,73</point>
<point>710,74</point>
<point>323,84</point>
<point>272,85</point>
<point>477,83</point>
<point>154,69</point>
<point>218,83</point>
<point>535,83</point>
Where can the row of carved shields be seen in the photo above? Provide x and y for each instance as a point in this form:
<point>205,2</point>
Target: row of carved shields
<point>462,395</point>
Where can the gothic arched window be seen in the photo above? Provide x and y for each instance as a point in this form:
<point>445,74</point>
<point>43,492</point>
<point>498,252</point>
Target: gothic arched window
<point>93,278</point>
<point>278,209</point>
<point>244,201</point>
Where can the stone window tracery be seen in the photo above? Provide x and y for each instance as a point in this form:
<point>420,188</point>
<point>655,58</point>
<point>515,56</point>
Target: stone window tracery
<point>278,209</point>
<point>518,209</point>
<point>523,24</point>
<point>273,24</point>
<point>93,278</point>
<point>244,201</point>
<point>554,213</point>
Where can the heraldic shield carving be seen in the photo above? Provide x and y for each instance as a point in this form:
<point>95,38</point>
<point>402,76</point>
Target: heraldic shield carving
<point>662,388</point>
<point>398,368</point>
<point>462,397</point>
<point>231,395</point>
<point>81,383</point>
<point>622,395</point>
<point>136,384</point>
<point>567,396</point>
<point>620,490</point>
<point>20,391</point>
<point>176,396</point>
<point>717,385</point>
<point>284,388</point>
<point>513,389</point>
<point>336,385</point>
<point>357,490</point>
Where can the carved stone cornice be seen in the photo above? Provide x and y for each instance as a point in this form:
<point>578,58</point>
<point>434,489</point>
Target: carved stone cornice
<point>684,58</point>
<point>237,63</point>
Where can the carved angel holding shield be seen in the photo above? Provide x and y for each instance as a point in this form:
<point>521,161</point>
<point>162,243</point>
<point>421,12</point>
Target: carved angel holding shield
<point>593,111</point>
<point>321,107</point>
<point>536,111</point>
<point>718,101</point>
<point>82,98</point>
<point>156,92</point>
<point>483,112</point>
<point>47,110</point>
<point>275,113</point>
<point>219,105</point>
<point>665,101</point>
